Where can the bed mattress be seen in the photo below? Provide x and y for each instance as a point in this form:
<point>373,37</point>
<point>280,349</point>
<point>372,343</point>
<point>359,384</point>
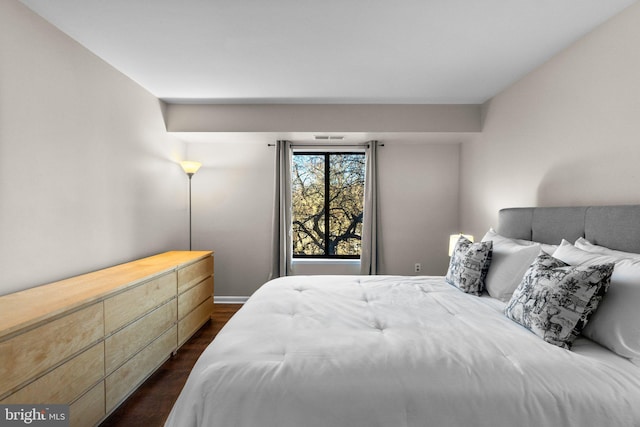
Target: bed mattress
<point>368,351</point>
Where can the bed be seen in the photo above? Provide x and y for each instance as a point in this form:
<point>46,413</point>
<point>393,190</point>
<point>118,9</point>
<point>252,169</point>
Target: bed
<point>309,351</point>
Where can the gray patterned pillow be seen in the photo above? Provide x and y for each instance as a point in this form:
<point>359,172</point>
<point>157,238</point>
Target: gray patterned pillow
<point>469,265</point>
<point>555,300</point>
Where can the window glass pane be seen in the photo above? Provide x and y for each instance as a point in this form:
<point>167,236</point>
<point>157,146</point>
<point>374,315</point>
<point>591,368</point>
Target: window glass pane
<point>307,200</point>
<point>327,204</point>
<point>346,198</point>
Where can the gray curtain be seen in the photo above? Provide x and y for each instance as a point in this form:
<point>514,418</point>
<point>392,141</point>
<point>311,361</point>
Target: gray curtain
<point>281,228</point>
<point>369,255</point>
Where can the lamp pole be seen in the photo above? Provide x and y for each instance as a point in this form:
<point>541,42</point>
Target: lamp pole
<point>190,168</point>
<point>190,175</point>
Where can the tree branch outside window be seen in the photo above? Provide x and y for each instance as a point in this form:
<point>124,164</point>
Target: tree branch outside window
<point>327,204</point>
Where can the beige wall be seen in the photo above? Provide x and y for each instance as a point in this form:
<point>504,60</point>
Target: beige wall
<point>88,174</point>
<point>566,134</point>
<point>323,118</point>
<point>418,190</point>
<point>232,208</point>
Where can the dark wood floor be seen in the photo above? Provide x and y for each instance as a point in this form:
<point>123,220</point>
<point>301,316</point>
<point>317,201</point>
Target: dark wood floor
<point>150,405</point>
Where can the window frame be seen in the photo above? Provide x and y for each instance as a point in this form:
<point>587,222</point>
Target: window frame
<point>327,152</point>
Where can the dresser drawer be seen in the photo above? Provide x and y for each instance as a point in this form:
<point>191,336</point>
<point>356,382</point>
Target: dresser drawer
<point>65,383</point>
<point>194,297</point>
<point>34,352</point>
<point>132,304</point>
<point>128,341</point>
<point>195,273</point>
<point>89,409</point>
<point>192,322</point>
<point>124,380</point>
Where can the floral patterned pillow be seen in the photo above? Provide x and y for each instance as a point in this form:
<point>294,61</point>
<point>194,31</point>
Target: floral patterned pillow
<point>469,265</point>
<point>555,300</point>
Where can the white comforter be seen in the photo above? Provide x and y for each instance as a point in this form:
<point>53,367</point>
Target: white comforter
<point>321,351</point>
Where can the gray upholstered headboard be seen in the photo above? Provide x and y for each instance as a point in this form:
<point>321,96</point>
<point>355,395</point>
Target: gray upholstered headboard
<point>615,227</point>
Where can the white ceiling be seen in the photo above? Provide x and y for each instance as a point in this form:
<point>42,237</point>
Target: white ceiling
<point>332,51</point>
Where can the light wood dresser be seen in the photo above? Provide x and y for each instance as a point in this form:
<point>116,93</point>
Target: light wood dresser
<point>91,340</point>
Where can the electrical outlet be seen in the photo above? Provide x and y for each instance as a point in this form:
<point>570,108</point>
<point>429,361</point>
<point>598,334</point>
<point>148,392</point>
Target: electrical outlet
<point>417,267</point>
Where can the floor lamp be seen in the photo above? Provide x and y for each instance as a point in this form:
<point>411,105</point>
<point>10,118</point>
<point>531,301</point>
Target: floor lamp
<point>190,169</point>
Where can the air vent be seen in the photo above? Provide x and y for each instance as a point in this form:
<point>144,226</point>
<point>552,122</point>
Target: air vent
<point>328,137</point>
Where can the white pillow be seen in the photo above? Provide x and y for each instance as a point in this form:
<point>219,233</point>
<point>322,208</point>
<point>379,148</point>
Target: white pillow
<point>616,323</point>
<point>510,260</point>
<point>545,246</point>
<point>586,245</point>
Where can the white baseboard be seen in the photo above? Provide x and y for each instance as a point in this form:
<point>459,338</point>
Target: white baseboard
<point>229,300</point>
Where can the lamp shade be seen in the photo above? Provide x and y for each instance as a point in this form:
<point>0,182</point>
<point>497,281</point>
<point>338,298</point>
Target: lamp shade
<point>453,239</point>
<point>190,167</point>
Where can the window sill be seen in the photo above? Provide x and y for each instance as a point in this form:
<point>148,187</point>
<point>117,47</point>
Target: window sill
<point>324,261</point>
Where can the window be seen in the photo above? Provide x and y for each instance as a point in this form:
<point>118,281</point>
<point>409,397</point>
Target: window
<point>327,198</point>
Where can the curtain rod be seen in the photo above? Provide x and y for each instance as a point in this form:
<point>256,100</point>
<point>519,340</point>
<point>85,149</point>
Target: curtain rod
<point>328,145</point>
